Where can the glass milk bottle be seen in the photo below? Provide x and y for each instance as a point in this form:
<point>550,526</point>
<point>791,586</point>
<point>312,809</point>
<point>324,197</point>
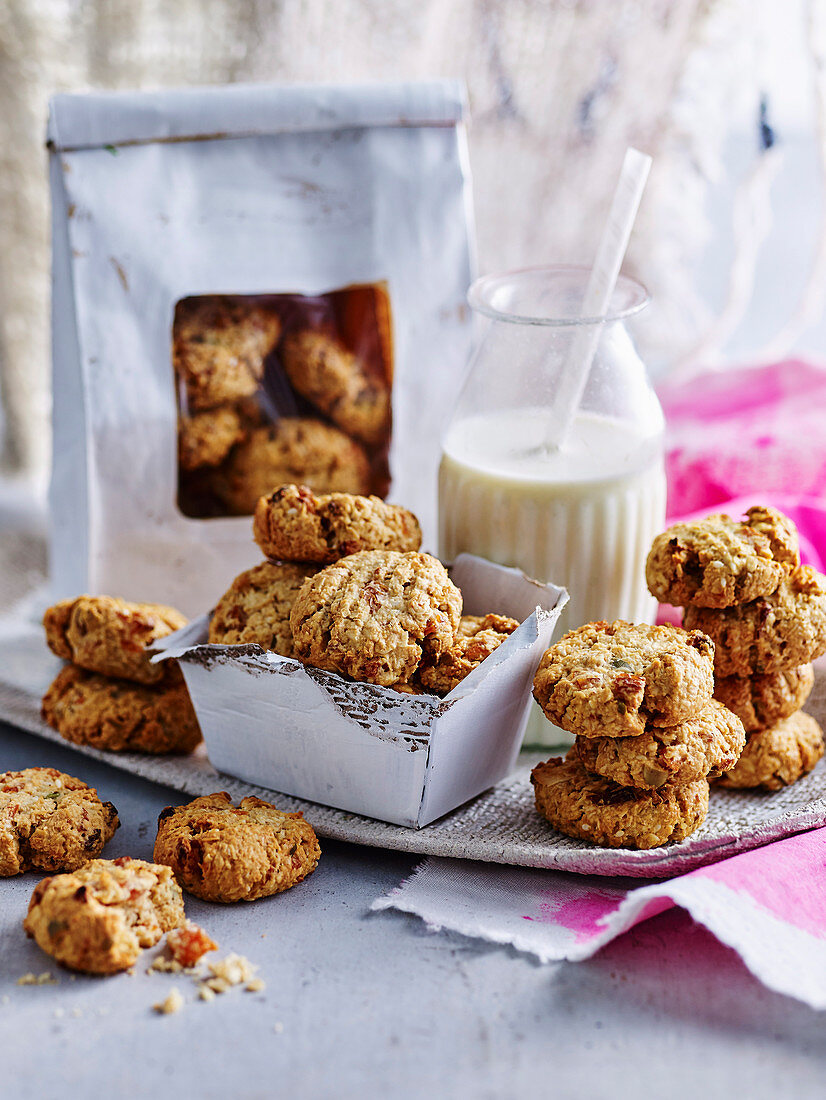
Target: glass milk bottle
<point>580,514</point>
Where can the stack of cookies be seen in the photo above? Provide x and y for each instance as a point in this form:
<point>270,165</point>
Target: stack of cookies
<point>346,589</point>
<point>110,696</point>
<point>742,584</point>
<point>648,733</point>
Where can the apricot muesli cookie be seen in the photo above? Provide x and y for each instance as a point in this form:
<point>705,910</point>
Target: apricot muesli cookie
<point>598,810</point>
<point>121,716</point>
<point>618,679</point>
<point>257,605</point>
<point>780,631</point>
<point>719,562</point>
<point>111,636</point>
<point>778,756</point>
<point>373,615</point>
<point>98,918</point>
<point>293,524</point>
<point>206,438</point>
<point>477,637</point>
<point>706,744</point>
<point>222,852</point>
<point>762,701</point>
<point>50,821</point>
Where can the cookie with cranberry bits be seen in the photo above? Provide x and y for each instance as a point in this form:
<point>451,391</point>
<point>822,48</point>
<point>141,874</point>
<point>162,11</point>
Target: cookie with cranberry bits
<point>719,562</point>
<point>257,605</point>
<point>111,636</point>
<point>97,919</point>
<point>121,716</point>
<point>219,345</point>
<point>293,524</point>
<point>763,701</point>
<point>221,852</point>
<point>778,756</point>
<point>477,637</point>
<point>373,615</point>
<point>780,631</point>
<point>295,449</point>
<point>707,744</point>
<point>50,821</point>
<point>206,438</point>
<point>618,679</point>
<point>337,382</point>
<point>588,807</point>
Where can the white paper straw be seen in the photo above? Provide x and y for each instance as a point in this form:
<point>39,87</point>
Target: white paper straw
<point>599,292</point>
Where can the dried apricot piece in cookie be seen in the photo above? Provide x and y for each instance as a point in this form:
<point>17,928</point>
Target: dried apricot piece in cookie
<point>119,715</point>
<point>778,756</point>
<point>51,821</point>
<point>780,631</point>
<point>257,605</point>
<point>719,562</point>
<point>708,743</point>
<point>324,371</point>
<point>293,524</point>
<point>763,700</point>
<point>477,637</point>
<point>108,635</point>
<point>598,810</point>
<point>373,615</point>
<point>617,679</point>
<point>221,852</point>
<point>98,918</point>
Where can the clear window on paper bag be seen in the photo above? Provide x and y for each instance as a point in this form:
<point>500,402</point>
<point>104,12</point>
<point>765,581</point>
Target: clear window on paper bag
<point>276,388</point>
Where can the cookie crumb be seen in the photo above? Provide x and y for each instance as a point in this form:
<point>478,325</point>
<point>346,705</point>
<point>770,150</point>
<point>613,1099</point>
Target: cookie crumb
<point>205,993</point>
<point>188,944</point>
<point>233,969</point>
<point>257,985</point>
<point>173,1002</point>
<point>37,979</point>
<point>278,1028</point>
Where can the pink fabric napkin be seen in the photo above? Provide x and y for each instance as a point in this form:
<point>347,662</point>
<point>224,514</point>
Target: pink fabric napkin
<point>768,904</point>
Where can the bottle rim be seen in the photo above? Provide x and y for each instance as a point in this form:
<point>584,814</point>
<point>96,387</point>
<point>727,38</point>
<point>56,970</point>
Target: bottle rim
<point>483,292</point>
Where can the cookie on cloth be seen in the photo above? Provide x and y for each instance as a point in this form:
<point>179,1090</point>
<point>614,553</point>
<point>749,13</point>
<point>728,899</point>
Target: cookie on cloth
<point>98,918</point>
<point>618,679</point>
<point>293,524</point>
<point>221,852</point>
<point>256,607</point>
<point>324,371</point>
<point>591,808</point>
<point>373,615</point>
<point>111,636</point>
<point>778,756</point>
<point>477,637</point>
<point>719,562</point>
<point>762,701</point>
<point>51,821</point>
<point>295,449</point>
<point>780,631</point>
<point>706,744</point>
<point>121,716</point>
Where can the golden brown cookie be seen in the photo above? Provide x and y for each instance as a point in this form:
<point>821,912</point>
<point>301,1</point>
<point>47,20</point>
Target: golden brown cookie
<point>719,562</point>
<point>257,605</point>
<point>292,450</point>
<point>706,744</point>
<point>591,808</point>
<point>293,524</point>
<point>372,615</point>
<point>762,701</point>
<point>778,756</point>
<point>477,637</point>
<point>121,716</point>
<point>221,852</point>
<point>50,821</point>
<point>771,634</point>
<point>98,918</point>
<point>206,438</point>
<point>219,345</point>
<point>111,636</point>
<point>336,381</point>
<point>617,679</point>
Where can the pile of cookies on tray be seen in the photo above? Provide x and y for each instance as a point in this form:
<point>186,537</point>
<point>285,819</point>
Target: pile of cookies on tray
<point>345,588</point>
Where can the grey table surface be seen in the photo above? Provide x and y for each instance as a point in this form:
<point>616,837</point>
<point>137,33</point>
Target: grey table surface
<point>375,1005</point>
